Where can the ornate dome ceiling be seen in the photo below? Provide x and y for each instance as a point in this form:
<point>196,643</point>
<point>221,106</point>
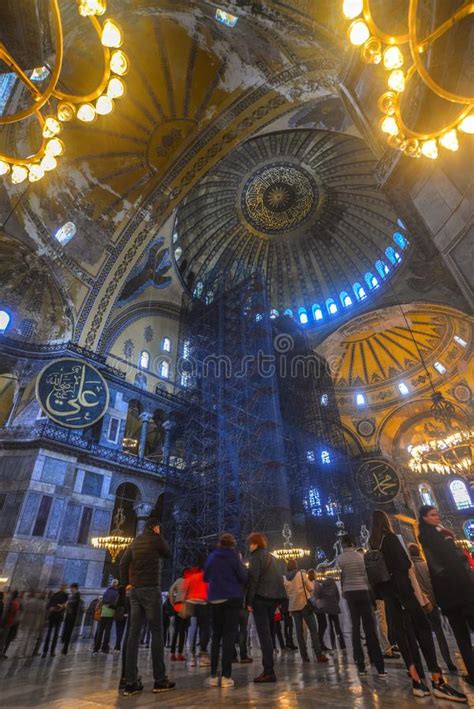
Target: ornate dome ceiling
<point>300,205</point>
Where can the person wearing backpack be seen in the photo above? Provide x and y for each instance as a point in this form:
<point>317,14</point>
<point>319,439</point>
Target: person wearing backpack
<point>355,589</point>
<point>410,622</point>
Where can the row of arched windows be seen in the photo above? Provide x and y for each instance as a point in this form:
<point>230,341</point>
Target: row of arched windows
<point>144,356</point>
<point>359,291</point>
<point>458,490</point>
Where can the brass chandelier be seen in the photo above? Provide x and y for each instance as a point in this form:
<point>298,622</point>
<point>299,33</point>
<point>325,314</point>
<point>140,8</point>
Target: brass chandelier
<point>288,551</point>
<point>116,541</point>
<point>446,456</point>
<point>401,56</point>
<point>52,107</point>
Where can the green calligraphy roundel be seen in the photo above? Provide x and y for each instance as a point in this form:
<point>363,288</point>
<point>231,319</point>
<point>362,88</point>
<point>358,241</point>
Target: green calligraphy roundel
<point>378,481</point>
<point>72,393</point>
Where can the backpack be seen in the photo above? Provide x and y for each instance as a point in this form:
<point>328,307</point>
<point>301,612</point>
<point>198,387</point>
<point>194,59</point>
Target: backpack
<point>375,566</point>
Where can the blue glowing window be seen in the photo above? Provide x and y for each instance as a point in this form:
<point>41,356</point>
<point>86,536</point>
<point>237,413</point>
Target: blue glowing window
<point>331,306</point>
<point>360,293</point>
<point>382,268</point>
<point>317,312</point>
<point>310,456</point>
<point>392,255</point>
<point>346,299</point>
<point>325,457</point>
<point>274,313</point>
<point>303,316</point>
<point>4,321</point>
<point>289,312</point>
<point>66,233</point>
<point>315,506</point>
<point>225,18</point>
<point>371,280</point>
<point>400,240</point>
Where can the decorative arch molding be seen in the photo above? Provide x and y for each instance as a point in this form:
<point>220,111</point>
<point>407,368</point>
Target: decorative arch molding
<point>136,311</point>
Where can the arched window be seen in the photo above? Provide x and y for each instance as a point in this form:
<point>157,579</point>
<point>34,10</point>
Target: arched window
<point>401,224</point>
<point>4,321</point>
<point>274,313</point>
<point>324,399</point>
<point>197,292</point>
<point>314,498</point>
<point>166,344</point>
<point>289,312</point>
<point>144,359</point>
<point>164,369</point>
<point>178,252</point>
<point>426,494</point>
<point>360,399</point>
<point>460,494</point>
<point>400,240</point>
<point>346,299</point>
<point>317,312</point>
<point>303,316</point>
<point>371,280</point>
<point>403,389</point>
<point>360,293</point>
<point>141,381</point>
<point>310,457</point>
<point>325,457</point>
<point>392,255</point>
<point>65,233</point>
<point>331,306</point>
<point>382,268</point>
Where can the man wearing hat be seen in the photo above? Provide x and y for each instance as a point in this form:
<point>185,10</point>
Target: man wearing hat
<point>140,571</point>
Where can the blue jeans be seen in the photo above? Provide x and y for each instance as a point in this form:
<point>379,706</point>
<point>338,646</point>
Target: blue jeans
<point>145,604</point>
<point>263,612</point>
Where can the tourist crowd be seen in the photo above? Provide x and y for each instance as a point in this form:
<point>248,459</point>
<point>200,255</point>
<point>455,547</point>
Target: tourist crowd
<point>221,608</point>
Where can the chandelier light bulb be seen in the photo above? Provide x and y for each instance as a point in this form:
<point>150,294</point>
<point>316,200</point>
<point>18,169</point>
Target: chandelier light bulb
<point>372,51</point>
<point>430,149</point>
<point>352,8</point>
<point>467,124</point>
<point>450,140</point>
<point>54,147</point>
<point>104,105</point>
<point>396,80</point>
<point>87,8</point>
<point>86,112</point>
<point>48,163</point>
<point>19,174</point>
<point>389,125</point>
<point>119,62</point>
<point>115,88</point>
<point>4,168</point>
<point>358,33</point>
<point>388,102</point>
<point>36,173</point>
<point>51,127</point>
<point>111,35</point>
<point>392,58</point>
<point>66,111</point>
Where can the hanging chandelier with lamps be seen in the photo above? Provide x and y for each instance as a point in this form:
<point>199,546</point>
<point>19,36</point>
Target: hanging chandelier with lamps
<point>401,56</point>
<point>446,456</point>
<point>288,551</point>
<point>116,541</point>
<point>51,107</point>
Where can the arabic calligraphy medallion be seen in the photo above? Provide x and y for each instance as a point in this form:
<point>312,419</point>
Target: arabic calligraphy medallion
<point>72,393</point>
<point>378,481</point>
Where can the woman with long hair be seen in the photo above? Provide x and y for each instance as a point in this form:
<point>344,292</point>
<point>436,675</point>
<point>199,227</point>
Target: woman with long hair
<point>452,581</point>
<point>407,613</point>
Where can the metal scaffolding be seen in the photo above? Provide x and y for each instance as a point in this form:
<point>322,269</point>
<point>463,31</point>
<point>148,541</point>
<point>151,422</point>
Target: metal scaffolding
<point>231,437</point>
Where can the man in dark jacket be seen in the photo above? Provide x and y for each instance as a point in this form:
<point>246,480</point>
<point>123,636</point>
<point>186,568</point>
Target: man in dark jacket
<point>55,609</point>
<point>73,607</point>
<point>140,569</point>
<point>265,590</point>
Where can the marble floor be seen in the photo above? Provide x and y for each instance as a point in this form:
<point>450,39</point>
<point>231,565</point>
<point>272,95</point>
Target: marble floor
<point>80,681</point>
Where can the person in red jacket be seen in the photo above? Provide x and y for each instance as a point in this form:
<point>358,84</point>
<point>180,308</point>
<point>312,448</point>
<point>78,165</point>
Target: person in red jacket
<point>195,594</point>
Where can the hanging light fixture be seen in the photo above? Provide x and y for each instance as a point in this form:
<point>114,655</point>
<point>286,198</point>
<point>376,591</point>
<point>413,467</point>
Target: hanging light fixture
<point>116,541</point>
<point>52,107</point>
<point>394,51</point>
<point>449,455</point>
<point>288,551</point>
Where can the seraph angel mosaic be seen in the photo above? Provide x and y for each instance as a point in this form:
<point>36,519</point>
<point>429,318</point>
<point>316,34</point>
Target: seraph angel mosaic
<point>151,270</point>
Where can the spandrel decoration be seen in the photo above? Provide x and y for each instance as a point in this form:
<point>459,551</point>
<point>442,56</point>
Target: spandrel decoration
<point>72,393</point>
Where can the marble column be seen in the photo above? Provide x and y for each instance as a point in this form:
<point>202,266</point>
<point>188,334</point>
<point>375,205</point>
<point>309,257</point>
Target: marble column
<point>142,510</point>
<point>168,427</point>
<point>145,418</point>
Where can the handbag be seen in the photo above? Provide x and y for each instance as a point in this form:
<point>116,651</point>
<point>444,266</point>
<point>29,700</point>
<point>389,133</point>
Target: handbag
<point>375,566</point>
<point>187,610</point>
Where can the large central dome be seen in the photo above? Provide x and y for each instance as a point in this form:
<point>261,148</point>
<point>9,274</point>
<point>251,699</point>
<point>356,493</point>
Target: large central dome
<point>301,206</point>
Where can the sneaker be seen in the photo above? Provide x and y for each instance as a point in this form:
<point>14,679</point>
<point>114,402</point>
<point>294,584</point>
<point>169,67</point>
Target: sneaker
<point>204,660</point>
<point>264,678</point>
<point>246,660</point>
<point>212,681</point>
<point>227,682</point>
<point>165,686</point>
<point>443,690</point>
<point>420,689</point>
<point>180,658</point>
<point>132,689</point>
<point>322,658</point>
<point>382,675</point>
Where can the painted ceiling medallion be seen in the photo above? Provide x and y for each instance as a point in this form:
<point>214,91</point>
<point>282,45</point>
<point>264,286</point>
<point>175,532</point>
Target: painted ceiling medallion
<point>278,198</point>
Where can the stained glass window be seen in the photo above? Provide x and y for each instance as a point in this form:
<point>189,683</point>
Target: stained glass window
<point>4,320</point>
<point>460,494</point>
<point>371,280</point>
<point>315,506</point>
<point>325,457</point>
<point>164,369</point>
<point>317,312</point>
<point>426,495</point>
<point>359,291</point>
<point>65,233</point>
<point>400,240</point>
<point>331,306</point>
<point>303,316</point>
<point>392,255</point>
<point>346,299</point>
<point>225,18</point>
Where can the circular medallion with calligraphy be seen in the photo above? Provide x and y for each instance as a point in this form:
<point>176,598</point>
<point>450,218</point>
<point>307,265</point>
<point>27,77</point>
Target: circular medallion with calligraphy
<point>377,480</point>
<point>278,197</point>
<point>72,393</point>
